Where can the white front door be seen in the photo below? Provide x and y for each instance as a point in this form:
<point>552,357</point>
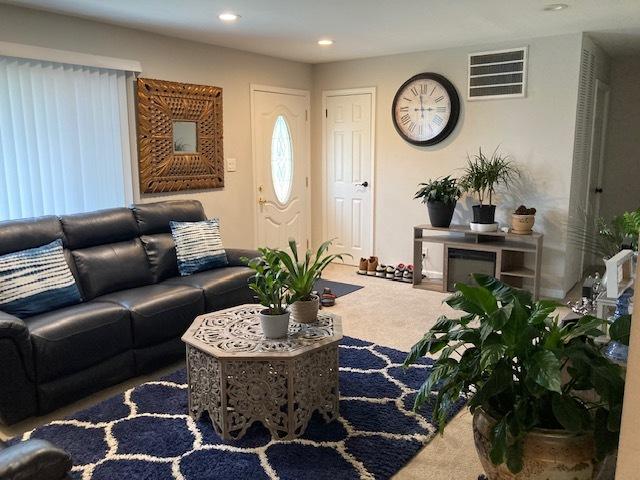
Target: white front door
<point>349,168</point>
<point>281,156</point>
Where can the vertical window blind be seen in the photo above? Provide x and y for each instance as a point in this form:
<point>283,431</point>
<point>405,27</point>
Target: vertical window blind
<point>64,138</point>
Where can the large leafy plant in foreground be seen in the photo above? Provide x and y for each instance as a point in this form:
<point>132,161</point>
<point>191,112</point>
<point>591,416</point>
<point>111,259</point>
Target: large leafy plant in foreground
<point>522,367</point>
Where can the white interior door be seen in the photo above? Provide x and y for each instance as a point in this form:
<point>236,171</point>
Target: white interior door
<point>596,163</point>
<point>281,157</point>
<point>349,173</point>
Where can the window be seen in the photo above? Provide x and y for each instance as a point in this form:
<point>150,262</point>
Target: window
<point>281,160</point>
<point>64,138</point>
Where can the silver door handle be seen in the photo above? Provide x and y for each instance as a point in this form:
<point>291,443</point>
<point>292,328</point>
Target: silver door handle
<point>361,184</point>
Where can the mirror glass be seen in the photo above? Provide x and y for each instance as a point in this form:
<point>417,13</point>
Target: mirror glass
<point>185,137</point>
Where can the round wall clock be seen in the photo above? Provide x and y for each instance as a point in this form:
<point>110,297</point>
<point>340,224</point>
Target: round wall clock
<point>425,109</point>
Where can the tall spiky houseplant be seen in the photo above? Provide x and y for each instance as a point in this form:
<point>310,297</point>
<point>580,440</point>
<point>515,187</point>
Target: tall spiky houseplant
<point>302,273</point>
<point>482,176</point>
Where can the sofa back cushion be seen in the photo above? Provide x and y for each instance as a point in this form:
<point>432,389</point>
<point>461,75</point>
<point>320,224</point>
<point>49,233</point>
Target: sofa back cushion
<point>112,267</point>
<point>36,280</point>
<point>155,217</point>
<point>85,230</point>
<point>161,252</point>
<point>19,235</point>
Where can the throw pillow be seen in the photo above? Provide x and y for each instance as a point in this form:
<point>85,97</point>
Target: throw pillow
<point>198,246</point>
<point>36,280</point>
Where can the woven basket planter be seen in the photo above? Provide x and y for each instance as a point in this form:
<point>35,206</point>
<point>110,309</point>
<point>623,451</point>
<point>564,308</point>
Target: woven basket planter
<point>305,311</point>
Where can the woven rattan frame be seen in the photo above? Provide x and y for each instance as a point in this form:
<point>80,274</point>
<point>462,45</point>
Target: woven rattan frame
<point>160,103</point>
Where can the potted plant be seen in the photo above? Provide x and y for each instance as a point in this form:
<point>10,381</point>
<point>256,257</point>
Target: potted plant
<point>301,277</point>
<point>544,398</point>
<point>270,285</point>
<point>522,220</point>
<point>441,196</point>
<point>481,177</point>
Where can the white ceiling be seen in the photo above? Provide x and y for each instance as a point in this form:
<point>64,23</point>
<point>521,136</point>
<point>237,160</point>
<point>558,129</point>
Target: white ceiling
<point>360,28</point>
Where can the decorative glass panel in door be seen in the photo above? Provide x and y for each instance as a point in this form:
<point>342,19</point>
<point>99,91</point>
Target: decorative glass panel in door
<point>281,160</point>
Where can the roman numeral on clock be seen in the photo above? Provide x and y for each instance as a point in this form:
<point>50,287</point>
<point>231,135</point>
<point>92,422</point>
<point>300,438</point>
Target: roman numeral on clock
<point>404,109</point>
<point>439,99</point>
<point>414,90</point>
<point>412,127</point>
<point>441,109</point>
<point>423,88</point>
<point>405,119</point>
<point>438,120</point>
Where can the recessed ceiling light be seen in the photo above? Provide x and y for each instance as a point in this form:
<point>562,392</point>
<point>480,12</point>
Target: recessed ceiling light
<point>228,17</point>
<point>325,41</point>
<point>555,7</point>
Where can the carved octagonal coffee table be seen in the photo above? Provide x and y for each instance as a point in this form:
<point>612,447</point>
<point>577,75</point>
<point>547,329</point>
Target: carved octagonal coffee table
<point>239,377</point>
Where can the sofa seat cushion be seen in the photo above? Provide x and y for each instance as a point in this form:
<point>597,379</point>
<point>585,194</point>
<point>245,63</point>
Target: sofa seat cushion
<point>71,339</point>
<point>222,287</point>
<point>159,312</point>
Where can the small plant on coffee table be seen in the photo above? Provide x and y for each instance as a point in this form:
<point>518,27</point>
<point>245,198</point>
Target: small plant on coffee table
<point>270,282</point>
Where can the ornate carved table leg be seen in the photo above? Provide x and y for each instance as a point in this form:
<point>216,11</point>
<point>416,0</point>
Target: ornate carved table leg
<point>204,392</point>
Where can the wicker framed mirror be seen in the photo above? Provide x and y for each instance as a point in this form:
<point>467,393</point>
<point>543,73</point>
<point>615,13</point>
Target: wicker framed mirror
<point>179,136</point>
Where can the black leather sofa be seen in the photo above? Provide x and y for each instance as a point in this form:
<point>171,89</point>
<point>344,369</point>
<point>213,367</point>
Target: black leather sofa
<point>135,305</point>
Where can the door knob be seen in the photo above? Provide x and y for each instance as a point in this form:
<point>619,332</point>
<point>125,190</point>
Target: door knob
<point>262,201</point>
<point>598,190</point>
<point>361,184</point>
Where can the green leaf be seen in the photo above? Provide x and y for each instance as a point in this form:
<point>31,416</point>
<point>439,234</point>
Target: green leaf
<point>503,292</point>
<point>606,440</point>
<point>570,413</point>
<point>499,441</point>
<point>499,380</point>
<point>514,455</point>
<point>515,324</point>
<point>543,368</point>
<point>491,352</point>
<point>620,329</point>
<point>479,296</point>
<point>587,325</point>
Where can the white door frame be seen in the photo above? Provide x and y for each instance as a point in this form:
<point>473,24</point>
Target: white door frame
<point>372,182</point>
<point>286,91</point>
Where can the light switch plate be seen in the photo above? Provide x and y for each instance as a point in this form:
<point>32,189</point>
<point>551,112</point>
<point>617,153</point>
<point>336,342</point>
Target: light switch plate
<point>232,164</point>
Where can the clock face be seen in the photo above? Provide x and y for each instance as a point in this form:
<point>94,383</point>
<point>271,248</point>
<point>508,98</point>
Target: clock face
<point>426,109</point>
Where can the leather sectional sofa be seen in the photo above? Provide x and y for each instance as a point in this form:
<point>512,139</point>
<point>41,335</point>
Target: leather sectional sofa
<point>135,305</point>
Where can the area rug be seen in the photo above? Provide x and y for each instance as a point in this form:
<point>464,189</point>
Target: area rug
<point>144,433</point>
<point>339,289</point>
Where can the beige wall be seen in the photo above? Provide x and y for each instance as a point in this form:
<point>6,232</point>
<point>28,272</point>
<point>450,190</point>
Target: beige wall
<point>622,159</point>
<point>178,60</point>
<point>538,132</point>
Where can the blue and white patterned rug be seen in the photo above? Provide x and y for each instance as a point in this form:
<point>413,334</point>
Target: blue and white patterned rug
<point>145,432</point>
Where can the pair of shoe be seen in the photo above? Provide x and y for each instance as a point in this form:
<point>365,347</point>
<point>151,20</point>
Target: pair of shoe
<point>385,271</point>
<point>368,266</point>
<point>403,273</point>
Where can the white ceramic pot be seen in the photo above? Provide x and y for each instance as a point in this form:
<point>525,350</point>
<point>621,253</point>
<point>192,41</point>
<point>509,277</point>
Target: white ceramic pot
<point>483,227</point>
<point>274,326</point>
<point>305,311</point>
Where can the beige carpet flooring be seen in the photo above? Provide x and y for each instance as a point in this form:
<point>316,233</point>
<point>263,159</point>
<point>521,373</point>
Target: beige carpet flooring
<point>384,312</point>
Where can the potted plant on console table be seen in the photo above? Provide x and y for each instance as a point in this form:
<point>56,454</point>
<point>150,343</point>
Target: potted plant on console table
<point>301,277</point>
<point>546,403</point>
<point>441,196</point>
<point>481,177</point>
<point>270,285</point>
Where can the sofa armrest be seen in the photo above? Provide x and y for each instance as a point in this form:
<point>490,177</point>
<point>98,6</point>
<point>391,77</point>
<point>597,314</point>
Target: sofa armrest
<point>34,459</point>
<point>234,256</point>
<point>17,372</point>
<point>14,329</point>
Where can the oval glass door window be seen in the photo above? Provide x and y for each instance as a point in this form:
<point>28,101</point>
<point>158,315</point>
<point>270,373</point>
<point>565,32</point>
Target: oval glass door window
<point>281,160</point>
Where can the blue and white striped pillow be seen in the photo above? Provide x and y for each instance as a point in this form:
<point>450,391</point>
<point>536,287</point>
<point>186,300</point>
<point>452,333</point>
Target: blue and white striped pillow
<point>198,246</point>
<point>36,280</point>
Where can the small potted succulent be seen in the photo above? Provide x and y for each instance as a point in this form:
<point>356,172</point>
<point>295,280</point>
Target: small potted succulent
<point>481,177</point>
<point>546,402</point>
<point>270,285</point>
<point>301,277</point>
<point>522,220</point>
<point>441,196</point>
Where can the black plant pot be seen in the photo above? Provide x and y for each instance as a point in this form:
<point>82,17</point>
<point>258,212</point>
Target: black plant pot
<point>440,214</point>
<point>484,213</point>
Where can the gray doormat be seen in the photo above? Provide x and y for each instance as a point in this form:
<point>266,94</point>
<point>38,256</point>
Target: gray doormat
<point>339,289</point>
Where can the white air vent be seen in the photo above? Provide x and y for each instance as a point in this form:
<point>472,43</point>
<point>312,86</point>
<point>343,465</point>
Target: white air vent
<point>498,74</point>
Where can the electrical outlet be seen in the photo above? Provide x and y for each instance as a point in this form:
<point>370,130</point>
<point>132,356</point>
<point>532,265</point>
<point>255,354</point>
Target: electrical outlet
<point>232,164</point>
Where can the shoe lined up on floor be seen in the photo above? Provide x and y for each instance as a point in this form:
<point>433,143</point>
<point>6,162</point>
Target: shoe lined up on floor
<point>371,266</point>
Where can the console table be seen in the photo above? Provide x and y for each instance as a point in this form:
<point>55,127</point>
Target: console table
<point>239,377</point>
<point>512,266</point>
